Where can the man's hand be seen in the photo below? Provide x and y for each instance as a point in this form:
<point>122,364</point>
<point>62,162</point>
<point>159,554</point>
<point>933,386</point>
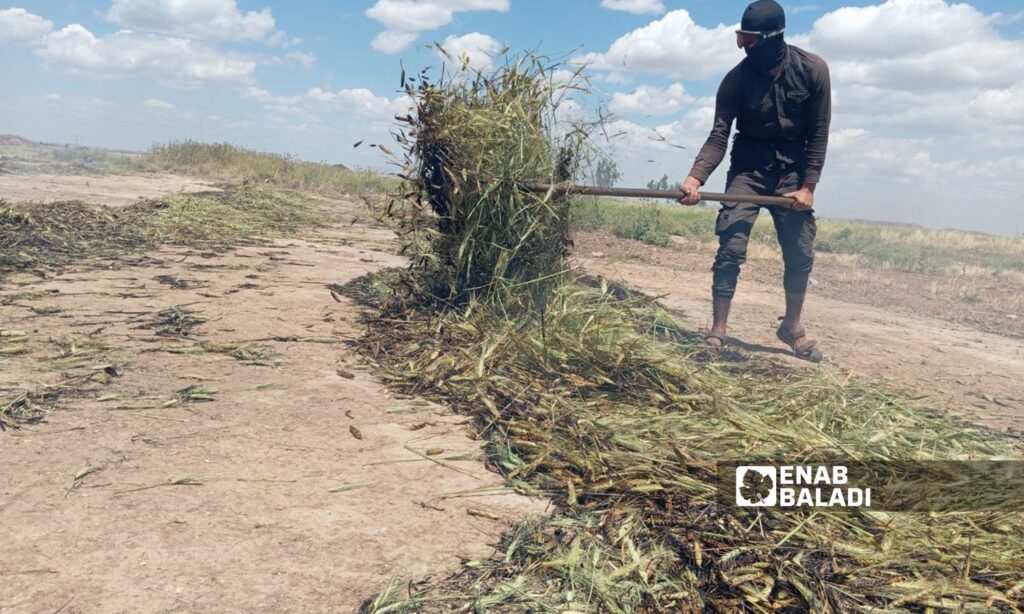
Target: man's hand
<point>691,191</point>
<point>804,198</point>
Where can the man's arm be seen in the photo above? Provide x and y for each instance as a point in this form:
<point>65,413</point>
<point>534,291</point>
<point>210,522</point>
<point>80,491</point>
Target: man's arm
<point>817,139</point>
<point>820,117</point>
<point>713,151</point>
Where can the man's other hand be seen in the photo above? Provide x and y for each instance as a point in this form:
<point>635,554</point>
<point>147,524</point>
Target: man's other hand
<point>804,198</point>
<point>691,191</point>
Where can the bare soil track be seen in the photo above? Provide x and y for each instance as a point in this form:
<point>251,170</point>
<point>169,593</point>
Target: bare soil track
<point>112,190</point>
<point>263,531</point>
<point>227,505</point>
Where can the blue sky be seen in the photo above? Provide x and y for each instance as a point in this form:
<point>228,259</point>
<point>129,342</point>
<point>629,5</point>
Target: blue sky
<point>928,122</point>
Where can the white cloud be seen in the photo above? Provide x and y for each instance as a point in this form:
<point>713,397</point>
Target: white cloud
<point>156,103</point>
<point>358,102</point>
<point>476,47</point>
<point>844,137</point>
<point>918,187</point>
<point>1000,105</point>
<point>645,152</point>
<point>19,27</point>
<point>404,19</point>
<point>409,16</point>
<point>205,19</point>
<point>300,59</point>
<point>924,45</point>
<point>673,46</point>
<point>637,7</point>
<point>175,61</point>
<point>567,77</point>
<point>391,42</point>
<point>922,81</point>
<point>897,28</point>
<point>51,96</point>
<point>649,100</point>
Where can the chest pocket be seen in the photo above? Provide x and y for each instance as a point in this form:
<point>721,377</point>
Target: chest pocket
<point>794,102</point>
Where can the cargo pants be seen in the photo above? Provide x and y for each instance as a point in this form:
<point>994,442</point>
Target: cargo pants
<point>795,230</point>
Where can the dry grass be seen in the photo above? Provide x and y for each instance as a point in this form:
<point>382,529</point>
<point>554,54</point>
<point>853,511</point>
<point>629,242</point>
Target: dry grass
<point>609,409</point>
<point>476,140</point>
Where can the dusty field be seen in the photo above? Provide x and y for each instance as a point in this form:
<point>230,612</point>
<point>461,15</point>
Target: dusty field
<point>112,190</point>
<point>227,505</point>
<point>263,531</point>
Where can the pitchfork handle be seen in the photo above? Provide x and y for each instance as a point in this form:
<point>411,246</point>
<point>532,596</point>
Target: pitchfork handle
<point>592,190</point>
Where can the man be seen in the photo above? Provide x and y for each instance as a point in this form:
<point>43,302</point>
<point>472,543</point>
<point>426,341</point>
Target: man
<point>780,97</point>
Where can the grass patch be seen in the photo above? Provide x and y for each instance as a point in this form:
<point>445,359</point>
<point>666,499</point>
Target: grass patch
<point>47,236</point>
<point>231,163</point>
<point>18,155</point>
<point>914,250</point>
<point>213,161</point>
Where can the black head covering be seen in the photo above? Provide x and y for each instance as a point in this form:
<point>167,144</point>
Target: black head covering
<point>765,17</point>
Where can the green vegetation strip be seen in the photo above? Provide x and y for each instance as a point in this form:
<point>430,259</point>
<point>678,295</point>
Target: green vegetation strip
<point>226,162</point>
<point>916,250</point>
<point>592,396</point>
<point>47,236</point>
<point>214,161</point>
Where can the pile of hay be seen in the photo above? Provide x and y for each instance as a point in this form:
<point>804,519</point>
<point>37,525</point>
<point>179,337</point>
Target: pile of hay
<point>473,141</point>
<point>599,401</point>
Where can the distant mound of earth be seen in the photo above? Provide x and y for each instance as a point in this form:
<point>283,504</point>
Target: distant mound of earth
<point>12,140</point>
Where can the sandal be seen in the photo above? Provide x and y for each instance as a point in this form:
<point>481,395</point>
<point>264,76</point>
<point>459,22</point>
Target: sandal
<point>807,351</point>
<point>722,339</point>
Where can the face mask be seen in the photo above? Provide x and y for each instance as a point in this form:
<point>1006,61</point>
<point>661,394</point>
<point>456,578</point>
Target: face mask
<point>767,54</point>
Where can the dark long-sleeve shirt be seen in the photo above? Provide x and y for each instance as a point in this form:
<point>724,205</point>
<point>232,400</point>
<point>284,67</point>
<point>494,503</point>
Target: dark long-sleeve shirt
<point>780,120</point>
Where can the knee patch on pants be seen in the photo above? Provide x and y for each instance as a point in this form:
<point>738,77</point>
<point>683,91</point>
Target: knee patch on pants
<point>733,228</point>
<point>796,232</point>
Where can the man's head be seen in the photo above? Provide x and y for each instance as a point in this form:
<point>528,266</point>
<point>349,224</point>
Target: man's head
<point>760,33</point>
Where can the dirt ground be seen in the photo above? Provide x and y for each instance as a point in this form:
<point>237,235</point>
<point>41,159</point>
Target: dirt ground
<point>262,531</point>
<point>304,486</point>
<point>112,190</point>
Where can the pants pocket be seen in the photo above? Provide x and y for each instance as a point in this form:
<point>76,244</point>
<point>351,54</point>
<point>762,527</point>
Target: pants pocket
<point>722,223</point>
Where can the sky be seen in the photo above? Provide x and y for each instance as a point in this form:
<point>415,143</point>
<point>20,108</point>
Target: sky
<point>928,95</point>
